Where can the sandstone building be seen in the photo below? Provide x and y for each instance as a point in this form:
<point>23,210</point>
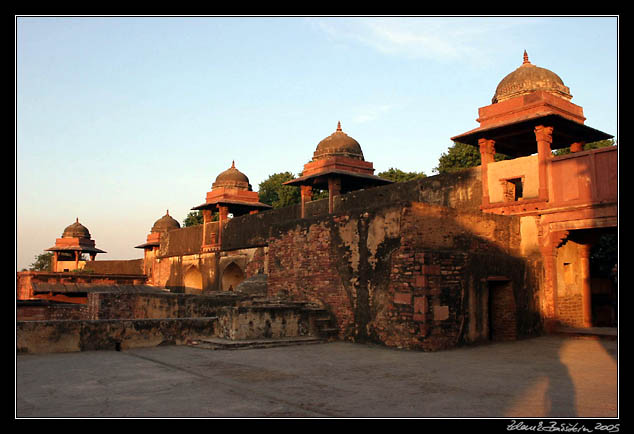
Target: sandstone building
<point>500,251</point>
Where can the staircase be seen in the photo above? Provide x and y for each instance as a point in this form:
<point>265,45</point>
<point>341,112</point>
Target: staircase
<point>323,322</point>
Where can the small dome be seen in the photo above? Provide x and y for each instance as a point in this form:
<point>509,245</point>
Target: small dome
<point>76,230</point>
<point>529,78</point>
<point>165,223</point>
<point>338,144</point>
<point>232,177</point>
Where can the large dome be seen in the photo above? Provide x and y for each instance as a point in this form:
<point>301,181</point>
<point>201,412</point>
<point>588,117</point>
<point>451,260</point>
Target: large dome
<point>338,144</point>
<point>232,177</point>
<point>529,78</point>
<point>76,230</point>
<point>165,223</point>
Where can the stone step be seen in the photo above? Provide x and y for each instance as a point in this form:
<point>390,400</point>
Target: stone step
<point>228,344</point>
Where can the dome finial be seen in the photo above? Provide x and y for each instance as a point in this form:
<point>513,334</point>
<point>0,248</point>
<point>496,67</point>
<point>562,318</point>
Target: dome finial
<point>233,164</point>
<point>338,125</point>
<point>525,58</point>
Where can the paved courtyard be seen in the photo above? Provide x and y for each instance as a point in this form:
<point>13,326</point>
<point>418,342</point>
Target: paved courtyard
<point>546,377</point>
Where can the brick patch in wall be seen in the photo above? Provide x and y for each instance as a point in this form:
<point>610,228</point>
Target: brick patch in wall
<point>402,298</point>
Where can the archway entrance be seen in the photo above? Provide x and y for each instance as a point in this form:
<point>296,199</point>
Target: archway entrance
<point>231,277</point>
<point>502,310</point>
<point>193,281</point>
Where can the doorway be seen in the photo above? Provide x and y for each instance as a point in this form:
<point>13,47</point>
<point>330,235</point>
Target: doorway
<point>502,310</point>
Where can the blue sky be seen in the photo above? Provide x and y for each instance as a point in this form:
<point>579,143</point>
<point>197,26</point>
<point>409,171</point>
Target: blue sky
<point>120,118</point>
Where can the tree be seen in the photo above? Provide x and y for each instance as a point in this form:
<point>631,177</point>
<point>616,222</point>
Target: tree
<point>193,218</point>
<point>398,175</point>
<point>461,156</point>
<point>273,192</point>
<point>43,262</point>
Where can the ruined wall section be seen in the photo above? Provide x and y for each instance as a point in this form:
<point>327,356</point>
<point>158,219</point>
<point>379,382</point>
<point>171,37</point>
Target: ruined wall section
<point>440,274</point>
<point>409,275</point>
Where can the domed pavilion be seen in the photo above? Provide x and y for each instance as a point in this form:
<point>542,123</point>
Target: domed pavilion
<point>337,166</point>
<point>530,113</point>
<point>231,195</point>
<point>68,249</point>
<point>160,227</point>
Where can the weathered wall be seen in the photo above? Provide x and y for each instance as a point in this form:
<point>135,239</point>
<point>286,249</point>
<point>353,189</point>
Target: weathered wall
<point>409,275</point>
<point>462,190</point>
<point>87,335</point>
<point>40,310</point>
<point>27,280</point>
<point>246,322</point>
<point>138,321</point>
<point>134,306</point>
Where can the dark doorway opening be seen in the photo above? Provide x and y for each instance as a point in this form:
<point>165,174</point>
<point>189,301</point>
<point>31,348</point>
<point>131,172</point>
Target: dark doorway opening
<point>502,310</point>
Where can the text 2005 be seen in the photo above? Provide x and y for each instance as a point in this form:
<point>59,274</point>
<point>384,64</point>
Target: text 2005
<point>607,428</point>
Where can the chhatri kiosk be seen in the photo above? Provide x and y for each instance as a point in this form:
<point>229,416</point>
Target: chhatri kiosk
<point>337,166</point>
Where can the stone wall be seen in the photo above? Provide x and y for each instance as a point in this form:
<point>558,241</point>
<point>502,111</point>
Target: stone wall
<point>410,275</point>
<point>87,335</point>
<point>462,190</point>
<point>39,310</point>
<point>137,322</point>
<point>135,306</point>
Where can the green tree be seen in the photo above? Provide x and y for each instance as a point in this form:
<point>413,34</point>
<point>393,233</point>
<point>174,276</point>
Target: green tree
<point>461,156</point>
<point>43,262</point>
<point>398,175</point>
<point>273,192</point>
<point>193,218</point>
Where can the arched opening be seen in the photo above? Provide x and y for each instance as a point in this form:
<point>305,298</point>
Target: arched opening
<point>193,281</point>
<point>231,277</point>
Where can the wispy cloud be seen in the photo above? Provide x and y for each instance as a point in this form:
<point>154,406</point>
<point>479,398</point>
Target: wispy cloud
<point>442,39</point>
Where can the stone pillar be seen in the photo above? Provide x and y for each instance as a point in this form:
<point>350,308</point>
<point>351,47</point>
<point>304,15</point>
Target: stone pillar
<point>207,216</point>
<point>54,262</point>
<point>223,213</point>
<point>550,241</point>
<point>334,189</point>
<point>306,193</point>
<point>544,136</point>
<point>487,155</point>
<point>586,290</point>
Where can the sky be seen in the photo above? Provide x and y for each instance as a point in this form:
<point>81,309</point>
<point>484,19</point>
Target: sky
<point>121,118</point>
